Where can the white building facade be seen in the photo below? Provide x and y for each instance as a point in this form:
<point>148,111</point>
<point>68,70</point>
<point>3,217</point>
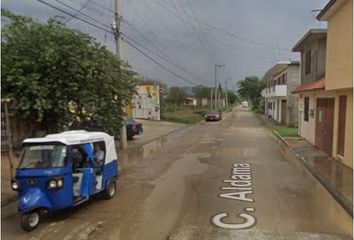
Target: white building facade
<point>279,103</point>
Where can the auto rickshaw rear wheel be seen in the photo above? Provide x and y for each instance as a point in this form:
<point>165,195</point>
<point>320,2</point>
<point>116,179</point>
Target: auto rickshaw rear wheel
<point>30,221</point>
<point>110,190</point>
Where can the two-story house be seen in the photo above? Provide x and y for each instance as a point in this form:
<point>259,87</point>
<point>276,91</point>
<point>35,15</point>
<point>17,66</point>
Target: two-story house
<point>326,90</point>
<point>279,103</point>
<point>312,47</point>
<point>338,81</point>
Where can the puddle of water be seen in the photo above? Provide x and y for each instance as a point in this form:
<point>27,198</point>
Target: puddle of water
<point>132,155</point>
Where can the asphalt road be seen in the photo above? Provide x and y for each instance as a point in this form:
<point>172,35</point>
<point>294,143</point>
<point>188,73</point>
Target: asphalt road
<point>216,180</point>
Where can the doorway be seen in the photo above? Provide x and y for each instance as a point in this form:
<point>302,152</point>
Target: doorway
<point>341,124</point>
<point>283,111</point>
<point>324,124</point>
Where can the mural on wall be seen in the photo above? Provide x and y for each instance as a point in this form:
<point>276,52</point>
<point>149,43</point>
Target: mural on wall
<point>146,102</point>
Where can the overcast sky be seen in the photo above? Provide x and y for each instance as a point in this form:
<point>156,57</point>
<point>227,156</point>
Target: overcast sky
<point>184,31</point>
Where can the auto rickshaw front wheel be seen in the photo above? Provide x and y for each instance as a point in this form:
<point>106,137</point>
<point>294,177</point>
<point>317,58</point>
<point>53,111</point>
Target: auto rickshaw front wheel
<point>30,221</point>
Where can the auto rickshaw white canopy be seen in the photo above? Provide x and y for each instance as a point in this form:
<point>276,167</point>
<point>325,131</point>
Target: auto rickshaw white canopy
<point>80,137</point>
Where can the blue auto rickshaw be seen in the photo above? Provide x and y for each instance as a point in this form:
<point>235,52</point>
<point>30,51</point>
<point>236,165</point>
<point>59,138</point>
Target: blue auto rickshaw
<point>63,170</point>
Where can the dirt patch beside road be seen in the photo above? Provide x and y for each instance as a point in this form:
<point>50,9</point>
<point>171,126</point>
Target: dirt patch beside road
<point>152,130</point>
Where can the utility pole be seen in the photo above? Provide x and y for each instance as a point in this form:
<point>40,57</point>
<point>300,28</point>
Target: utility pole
<point>211,98</point>
<point>215,84</point>
<point>116,29</point>
<point>227,99</point>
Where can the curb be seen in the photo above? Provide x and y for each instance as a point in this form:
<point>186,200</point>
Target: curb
<point>347,206</point>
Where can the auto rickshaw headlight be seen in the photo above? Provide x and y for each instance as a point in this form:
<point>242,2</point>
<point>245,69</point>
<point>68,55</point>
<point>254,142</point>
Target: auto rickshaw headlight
<point>52,184</point>
<point>55,183</point>
<point>15,186</point>
<point>60,183</point>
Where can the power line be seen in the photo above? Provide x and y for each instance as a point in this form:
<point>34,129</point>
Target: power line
<point>195,16</point>
<point>158,63</point>
<point>174,37</point>
<point>77,17</point>
<point>195,29</point>
<point>130,44</point>
<point>78,11</point>
<point>189,26</point>
<point>104,7</point>
<point>163,3</point>
<point>210,36</point>
<point>164,58</point>
<point>145,25</point>
<point>91,8</point>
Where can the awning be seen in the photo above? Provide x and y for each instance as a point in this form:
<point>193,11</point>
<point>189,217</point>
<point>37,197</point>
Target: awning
<point>313,86</point>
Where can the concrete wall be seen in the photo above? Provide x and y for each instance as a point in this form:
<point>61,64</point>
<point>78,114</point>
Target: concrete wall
<point>339,73</point>
<point>307,129</point>
<point>318,60</point>
<point>339,67</point>
<point>294,80</point>
<point>275,112</point>
<point>348,147</point>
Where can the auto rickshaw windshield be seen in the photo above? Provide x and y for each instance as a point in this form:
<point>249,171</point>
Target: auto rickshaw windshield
<point>43,156</point>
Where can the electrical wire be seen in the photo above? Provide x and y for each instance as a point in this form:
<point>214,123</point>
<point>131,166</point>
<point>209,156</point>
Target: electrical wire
<point>77,17</point>
<point>158,63</point>
<point>129,43</point>
<point>164,58</point>
<point>163,3</point>
<point>78,11</point>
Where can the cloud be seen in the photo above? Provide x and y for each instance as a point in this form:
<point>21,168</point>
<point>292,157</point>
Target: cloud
<point>171,31</point>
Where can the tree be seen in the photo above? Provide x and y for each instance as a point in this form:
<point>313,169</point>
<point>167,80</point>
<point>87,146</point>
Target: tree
<point>176,95</point>
<point>62,77</point>
<point>250,89</point>
<point>201,92</point>
<point>232,97</point>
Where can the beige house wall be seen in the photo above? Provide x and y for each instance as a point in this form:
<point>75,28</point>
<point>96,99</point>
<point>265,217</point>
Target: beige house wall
<point>339,62</point>
<point>348,146</point>
<point>339,73</point>
<point>307,128</point>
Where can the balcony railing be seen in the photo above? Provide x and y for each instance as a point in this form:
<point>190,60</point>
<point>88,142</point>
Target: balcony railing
<point>275,91</point>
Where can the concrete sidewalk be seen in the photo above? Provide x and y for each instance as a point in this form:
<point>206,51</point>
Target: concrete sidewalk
<point>334,176</point>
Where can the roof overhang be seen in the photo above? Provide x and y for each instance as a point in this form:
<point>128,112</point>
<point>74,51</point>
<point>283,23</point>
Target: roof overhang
<point>311,35</point>
<point>308,87</point>
<point>329,9</point>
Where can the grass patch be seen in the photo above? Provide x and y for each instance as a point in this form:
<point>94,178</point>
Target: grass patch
<point>184,115</point>
<point>287,132</point>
